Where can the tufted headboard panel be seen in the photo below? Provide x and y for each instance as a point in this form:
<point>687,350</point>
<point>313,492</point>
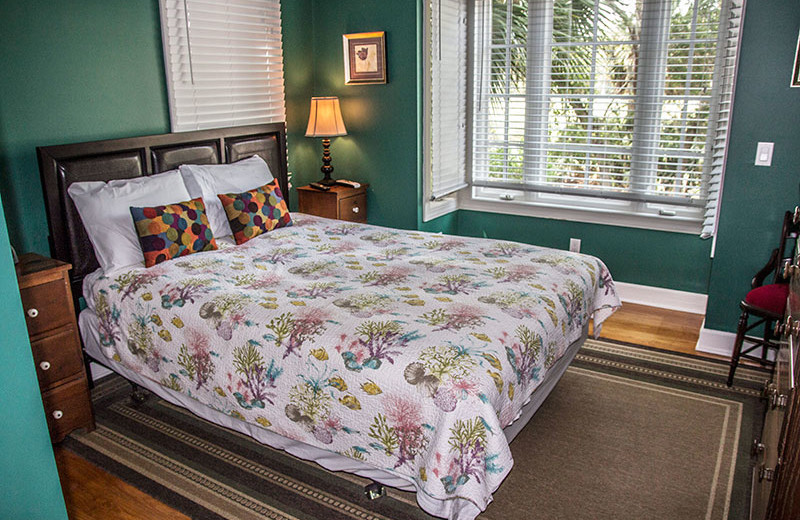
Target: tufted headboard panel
<point>61,165</point>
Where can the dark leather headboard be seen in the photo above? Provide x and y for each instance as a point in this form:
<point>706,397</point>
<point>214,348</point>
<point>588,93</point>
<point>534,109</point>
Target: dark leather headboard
<point>62,165</point>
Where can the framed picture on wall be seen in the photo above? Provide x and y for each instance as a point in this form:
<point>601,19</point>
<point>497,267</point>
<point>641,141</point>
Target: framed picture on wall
<point>364,58</point>
<point>796,69</point>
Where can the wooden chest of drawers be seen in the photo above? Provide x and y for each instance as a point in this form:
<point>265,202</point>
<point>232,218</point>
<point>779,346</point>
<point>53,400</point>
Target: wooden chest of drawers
<point>47,302</point>
<point>340,202</point>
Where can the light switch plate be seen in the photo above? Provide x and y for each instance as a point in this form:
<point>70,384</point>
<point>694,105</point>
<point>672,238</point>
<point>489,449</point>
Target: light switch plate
<point>764,154</point>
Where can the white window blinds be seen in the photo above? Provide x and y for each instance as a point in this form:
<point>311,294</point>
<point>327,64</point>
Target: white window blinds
<point>448,55</point>
<point>224,62</point>
<point>727,61</point>
<point>625,100</point>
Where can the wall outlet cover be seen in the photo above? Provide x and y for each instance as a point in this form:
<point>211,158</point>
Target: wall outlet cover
<point>764,154</point>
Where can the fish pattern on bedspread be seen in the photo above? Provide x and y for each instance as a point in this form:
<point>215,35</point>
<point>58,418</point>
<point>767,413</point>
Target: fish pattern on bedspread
<point>407,350</point>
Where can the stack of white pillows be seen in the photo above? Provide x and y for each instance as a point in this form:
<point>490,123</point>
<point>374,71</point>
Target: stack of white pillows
<point>104,207</point>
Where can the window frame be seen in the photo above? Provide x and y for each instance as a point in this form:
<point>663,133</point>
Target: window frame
<point>639,214</point>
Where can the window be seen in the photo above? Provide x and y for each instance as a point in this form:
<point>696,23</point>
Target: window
<point>224,62</point>
<point>445,152</point>
<point>614,106</point>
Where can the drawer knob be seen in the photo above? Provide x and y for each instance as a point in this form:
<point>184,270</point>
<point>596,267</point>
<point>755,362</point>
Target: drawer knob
<point>784,327</point>
<point>33,312</point>
<point>58,414</point>
<point>789,269</point>
<point>355,209</point>
<point>757,448</point>
<point>44,365</point>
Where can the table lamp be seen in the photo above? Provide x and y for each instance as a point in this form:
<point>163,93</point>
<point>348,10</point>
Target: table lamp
<point>325,120</point>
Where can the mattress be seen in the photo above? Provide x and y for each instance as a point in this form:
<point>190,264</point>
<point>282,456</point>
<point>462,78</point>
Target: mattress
<point>402,356</point>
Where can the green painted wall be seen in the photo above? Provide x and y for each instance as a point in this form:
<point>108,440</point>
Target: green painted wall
<point>28,475</point>
<point>381,145</point>
<point>298,56</point>
<point>755,197</point>
<point>72,71</point>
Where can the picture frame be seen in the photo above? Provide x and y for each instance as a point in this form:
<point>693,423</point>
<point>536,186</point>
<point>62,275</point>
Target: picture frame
<point>364,58</point>
<point>796,69</point>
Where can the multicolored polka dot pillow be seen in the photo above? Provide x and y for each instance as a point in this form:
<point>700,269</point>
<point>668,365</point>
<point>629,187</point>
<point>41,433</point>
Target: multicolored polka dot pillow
<point>173,230</point>
<point>256,211</point>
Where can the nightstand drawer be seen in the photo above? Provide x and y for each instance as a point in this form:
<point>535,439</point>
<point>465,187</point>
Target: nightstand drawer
<point>55,345</point>
<point>340,202</point>
<point>56,358</point>
<point>68,407</point>
<point>47,306</point>
<point>354,209</point>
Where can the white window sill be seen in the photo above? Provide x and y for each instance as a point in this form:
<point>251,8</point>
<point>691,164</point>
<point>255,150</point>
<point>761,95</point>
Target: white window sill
<point>675,224</point>
<point>432,209</point>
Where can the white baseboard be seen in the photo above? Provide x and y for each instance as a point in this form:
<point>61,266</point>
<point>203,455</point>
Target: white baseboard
<point>662,298</point>
<point>710,340</point>
<point>715,342</point>
<point>721,343</point>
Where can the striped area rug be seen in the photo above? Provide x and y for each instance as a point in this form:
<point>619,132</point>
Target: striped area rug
<point>629,432</point>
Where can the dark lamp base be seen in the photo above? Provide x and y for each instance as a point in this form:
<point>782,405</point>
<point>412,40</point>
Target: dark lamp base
<point>326,169</point>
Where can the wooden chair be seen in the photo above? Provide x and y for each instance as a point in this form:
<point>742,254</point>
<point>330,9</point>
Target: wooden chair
<point>765,303</point>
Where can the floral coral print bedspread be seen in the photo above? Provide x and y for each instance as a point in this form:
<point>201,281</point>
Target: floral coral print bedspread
<point>407,350</point>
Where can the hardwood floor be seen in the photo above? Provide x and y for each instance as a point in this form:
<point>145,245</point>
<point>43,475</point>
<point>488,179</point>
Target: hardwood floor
<point>92,493</point>
<point>659,328</point>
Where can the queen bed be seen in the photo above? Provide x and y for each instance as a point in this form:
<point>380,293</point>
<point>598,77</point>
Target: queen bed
<point>409,358</point>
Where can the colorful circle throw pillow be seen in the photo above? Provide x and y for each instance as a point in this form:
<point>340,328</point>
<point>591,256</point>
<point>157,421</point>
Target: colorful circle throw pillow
<point>173,230</point>
<point>256,211</point>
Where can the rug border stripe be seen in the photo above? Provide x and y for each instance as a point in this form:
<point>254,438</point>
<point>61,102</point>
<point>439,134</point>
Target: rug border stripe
<point>726,404</point>
<point>677,359</point>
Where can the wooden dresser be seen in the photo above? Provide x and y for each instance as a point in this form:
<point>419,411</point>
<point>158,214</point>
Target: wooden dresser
<point>784,496</point>
<point>53,330</point>
<point>340,202</point>
<point>776,477</point>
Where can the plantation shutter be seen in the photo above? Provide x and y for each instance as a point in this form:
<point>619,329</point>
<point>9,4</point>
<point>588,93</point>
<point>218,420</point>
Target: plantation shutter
<point>630,101</point>
<point>224,62</point>
<point>448,92</point>
<point>728,62</point>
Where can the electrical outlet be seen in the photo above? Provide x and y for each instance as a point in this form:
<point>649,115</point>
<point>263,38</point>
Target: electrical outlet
<point>575,245</point>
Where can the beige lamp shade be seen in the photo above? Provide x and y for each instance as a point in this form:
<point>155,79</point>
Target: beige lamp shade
<point>325,118</point>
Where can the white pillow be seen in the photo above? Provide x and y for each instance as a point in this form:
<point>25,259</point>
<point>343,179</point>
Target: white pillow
<point>209,180</point>
<point>104,208</point>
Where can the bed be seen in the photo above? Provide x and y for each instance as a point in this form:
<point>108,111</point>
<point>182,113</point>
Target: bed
<point>409,358</point>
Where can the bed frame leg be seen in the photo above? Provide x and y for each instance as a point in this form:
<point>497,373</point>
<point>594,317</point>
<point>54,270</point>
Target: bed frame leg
<point>138,394</point>
<point>87,365</point>
<point>374,490</point>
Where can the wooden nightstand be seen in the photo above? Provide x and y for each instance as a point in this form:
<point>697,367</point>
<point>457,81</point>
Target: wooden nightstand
<point>53,330</point>
<point>341,202</point>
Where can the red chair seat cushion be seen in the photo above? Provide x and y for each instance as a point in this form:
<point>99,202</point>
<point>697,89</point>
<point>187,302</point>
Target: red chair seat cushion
<point>770,297</point>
